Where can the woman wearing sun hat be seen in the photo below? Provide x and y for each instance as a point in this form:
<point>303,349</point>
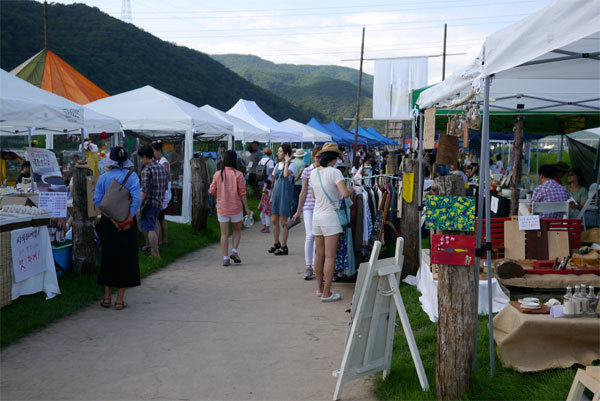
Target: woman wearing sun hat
<point>327,185</point>
<point>300,165</point>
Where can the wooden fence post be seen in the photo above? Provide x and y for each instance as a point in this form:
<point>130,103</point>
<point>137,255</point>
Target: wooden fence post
<point>457,314</point>
<point>84,244</point>
<point>200,185</point>
<point>410,228</point>
<point>517,168</point>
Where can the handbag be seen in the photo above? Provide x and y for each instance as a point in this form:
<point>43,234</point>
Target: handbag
<point>292,223</point>
<point>342,215</point>
<point>116,201</point>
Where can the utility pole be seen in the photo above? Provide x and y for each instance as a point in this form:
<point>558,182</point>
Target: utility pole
<point>126,11</point>
<point>45,24</point>
<point>362,50</point>
<point>444,54</point>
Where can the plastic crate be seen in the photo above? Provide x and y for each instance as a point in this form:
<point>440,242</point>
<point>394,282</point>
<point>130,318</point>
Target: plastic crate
<point>63,255</point>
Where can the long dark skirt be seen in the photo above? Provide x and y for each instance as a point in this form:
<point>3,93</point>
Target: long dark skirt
<point>120,267</point>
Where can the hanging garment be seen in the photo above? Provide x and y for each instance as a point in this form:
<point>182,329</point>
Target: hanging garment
<point>344,258</point>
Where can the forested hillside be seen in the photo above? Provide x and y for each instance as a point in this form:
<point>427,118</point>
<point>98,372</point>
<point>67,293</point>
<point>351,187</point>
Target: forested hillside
<point>119,57</point>
<point>331,90</point>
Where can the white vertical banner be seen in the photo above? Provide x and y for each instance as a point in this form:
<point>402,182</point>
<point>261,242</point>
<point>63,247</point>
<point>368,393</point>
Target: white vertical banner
<point>394,80</point>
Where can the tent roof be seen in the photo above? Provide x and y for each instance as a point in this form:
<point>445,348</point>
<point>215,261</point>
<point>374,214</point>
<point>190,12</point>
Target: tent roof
<point>23,105</point>
<point>149,109</point>
<point>388,141</point>
<point>309,134</point>
<point>242,131</point>
<point>314,123</point>
<point>49,72</point>
<point>249,111</point>
<point>546,63</point>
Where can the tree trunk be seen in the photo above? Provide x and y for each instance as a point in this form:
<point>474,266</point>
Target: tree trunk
<point>84,245</point>
<point>200,185</point>
<point>457,310</point>
<point>410,228</point>
<point>517,166</point>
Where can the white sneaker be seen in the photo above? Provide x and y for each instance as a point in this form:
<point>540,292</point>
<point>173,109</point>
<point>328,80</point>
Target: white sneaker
<point>334,297</point>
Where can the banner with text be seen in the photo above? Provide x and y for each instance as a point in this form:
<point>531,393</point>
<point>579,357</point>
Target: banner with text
<point>26,246</point>
<point>49,181</point>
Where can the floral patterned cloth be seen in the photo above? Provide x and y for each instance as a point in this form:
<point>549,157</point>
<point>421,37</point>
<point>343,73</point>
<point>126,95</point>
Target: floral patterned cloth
<point>265,203</point>
<point>451,213</point>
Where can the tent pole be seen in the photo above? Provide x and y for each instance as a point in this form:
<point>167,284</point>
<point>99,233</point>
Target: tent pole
<point>420,185</point>
<point>537,162</point>
<point>560,148</point>
<point>30,136</point>
<point>488,226</point>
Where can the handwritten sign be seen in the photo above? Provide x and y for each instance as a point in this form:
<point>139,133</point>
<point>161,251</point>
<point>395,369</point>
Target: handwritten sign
<point>42,160</point>
<point>54,203</point>
<point>529,222</point>
<point>429,129</point>
<point>27,256</point>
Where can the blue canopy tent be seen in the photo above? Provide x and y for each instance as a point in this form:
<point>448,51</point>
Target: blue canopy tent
<point>332,126</point>
<point>372,139</point>
<point>337,137</point>
<point>387,141</point>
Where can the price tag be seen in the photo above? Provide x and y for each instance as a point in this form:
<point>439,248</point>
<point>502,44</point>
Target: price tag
<point>529,222</point>
<point>54,203</point>
<point>494,204</point>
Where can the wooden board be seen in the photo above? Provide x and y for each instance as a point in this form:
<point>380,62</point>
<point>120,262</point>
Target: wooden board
<point>536,242</point>
<point>558,244</point>
<point>448,146</point>
<point>93,211</point>
<point>544,310</point>
<point>429,129</point>
<point>514,240</point>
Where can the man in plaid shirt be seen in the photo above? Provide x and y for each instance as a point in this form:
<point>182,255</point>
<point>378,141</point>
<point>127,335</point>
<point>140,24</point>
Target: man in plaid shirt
<point>154,185</point>
<point>549,191</point>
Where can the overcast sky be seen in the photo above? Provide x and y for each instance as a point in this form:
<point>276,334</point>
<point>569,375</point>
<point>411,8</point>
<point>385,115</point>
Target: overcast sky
<point>327,32</point>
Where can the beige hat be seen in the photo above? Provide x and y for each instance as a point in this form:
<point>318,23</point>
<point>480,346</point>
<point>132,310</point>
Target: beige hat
<point>268,151</point>
<point>330,147</point>
<point>299,153</point>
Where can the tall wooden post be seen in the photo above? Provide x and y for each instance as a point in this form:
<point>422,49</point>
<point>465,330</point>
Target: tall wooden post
<point>362,52</point>
<point>457,311</point>
<point>200,185</point>
<point>410,227</point>
<point>517,168</point>
<point>84,245</point>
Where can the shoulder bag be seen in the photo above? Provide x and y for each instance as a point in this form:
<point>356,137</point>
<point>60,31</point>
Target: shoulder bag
<point>116,201</point>
<point>342,215</point>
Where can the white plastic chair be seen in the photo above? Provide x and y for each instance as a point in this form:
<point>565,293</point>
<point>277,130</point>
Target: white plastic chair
<point>592,199</point>
<point>551,207</point>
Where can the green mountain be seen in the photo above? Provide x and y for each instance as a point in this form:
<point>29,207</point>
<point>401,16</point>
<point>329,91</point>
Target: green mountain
<point>331,90</point>
<point>118,57</point>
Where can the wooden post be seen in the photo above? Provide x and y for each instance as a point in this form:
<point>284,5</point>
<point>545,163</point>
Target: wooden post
<point>517,168</point>
<point>84,245</point>
<point>457,311</point>
<point>362,52</point>
<point>410,228</point>
<point>200,185</point>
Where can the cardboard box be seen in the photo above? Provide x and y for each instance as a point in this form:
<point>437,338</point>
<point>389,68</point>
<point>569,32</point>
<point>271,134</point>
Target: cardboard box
<point>20,199</point>
<point>93,211</point>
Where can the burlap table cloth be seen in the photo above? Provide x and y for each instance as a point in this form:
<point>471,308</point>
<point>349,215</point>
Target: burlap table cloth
<point>552,280</point>
<point>531,343</point>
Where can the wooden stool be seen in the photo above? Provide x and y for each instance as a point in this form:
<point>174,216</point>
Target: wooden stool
<point>588,378</point>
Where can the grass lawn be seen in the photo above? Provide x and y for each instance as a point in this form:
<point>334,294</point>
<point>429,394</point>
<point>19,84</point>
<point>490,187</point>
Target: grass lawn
<point>32,312</point>
<point>507,384</point>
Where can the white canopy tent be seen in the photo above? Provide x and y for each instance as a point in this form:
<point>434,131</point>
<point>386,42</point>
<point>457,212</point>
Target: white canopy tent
<point>155,113</point>
<point>249,111</point>
<point>24,107</point>
<point>548,62</point>
<point>242,131</point>
<point>309,134</point>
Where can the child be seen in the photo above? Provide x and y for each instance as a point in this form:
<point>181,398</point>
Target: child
<point>265,208</point>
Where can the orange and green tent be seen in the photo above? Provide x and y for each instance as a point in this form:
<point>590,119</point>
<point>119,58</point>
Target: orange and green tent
<point>48,71</point>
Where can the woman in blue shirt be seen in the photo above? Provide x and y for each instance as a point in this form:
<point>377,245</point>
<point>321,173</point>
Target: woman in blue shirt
<point>119,267</point>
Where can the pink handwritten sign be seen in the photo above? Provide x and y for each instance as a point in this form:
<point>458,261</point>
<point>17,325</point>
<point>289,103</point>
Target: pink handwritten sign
<point>447,249</point>
<point>27,256</point>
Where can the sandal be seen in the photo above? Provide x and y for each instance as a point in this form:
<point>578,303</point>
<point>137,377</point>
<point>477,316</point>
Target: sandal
<point>275,247</point>
<point>281,251</point>
<point>146,248</point>
<point>235,257</point>
<point>105,303</point>
<point>120,305</point>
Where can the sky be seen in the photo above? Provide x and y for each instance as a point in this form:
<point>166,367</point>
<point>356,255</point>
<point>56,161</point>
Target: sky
<point>328,32</point>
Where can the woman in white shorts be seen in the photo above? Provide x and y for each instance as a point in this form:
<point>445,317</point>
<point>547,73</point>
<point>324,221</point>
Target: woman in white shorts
<point>327,185</point>
<point>229,187</point>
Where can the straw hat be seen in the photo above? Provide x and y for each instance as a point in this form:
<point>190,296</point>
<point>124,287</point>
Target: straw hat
<point>268,151</point>
<point>330,147</point>
<point>299,153</point>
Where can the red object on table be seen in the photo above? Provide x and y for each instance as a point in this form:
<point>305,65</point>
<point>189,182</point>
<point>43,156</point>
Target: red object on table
<point>450,249</point>
<point>543,264</point>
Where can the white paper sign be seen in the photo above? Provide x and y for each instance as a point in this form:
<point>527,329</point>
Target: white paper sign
<point>529,222</point>
<point>27,258</point>
<point>54,203</point>
<point>494,204</point>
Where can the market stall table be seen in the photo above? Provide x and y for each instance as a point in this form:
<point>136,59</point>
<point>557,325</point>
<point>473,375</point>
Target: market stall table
<point>530,343</point>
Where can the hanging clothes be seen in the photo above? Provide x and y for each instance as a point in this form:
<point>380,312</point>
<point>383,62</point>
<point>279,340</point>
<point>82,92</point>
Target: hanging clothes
<point>344,258</point>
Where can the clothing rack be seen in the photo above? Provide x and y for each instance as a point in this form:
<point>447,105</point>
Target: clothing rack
<point>393,177</point>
